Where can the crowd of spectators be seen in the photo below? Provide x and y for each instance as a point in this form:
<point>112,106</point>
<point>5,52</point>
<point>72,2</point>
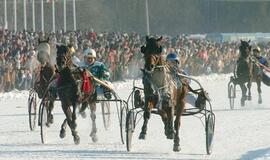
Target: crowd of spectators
<point>119,51</point>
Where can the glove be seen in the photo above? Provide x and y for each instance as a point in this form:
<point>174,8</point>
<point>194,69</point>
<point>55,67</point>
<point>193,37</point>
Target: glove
<point>106,75</point>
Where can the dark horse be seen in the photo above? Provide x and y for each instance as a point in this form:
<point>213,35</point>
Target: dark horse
<point>69,84</point>
<point>161,92</point>
<point>247,71</point>
<point>45,77</point>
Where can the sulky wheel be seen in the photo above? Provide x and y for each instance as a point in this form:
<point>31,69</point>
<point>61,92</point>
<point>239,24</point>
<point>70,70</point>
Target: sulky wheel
<point>32,110</point>
<point>43,121</point>
<point>123,123</point>
<point>106,114</point>
<point>231,94</point>
<point>129,129</point>
<point>209,129</point>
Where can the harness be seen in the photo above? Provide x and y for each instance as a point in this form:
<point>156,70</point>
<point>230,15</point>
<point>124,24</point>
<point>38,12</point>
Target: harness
<point>160,91</point>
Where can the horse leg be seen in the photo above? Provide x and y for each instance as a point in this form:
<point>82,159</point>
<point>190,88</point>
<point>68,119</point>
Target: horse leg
<point>68,113</point>
<point>82,110</point>
<point>2,83</point>
<point>249,93</point>
<point>244,96</point>
<point>164,118</point>
<point>180,105</point>
<point>93,133</point>
<point>74,117</point>
<point>50,115</point>
<point>170,114</point>
<point>63,129</point>
<point>13,79</point>
<point>167,114</point>
<point>75,134</point>
<point>259,90</point>
<point>7,83</point>
<point>146,117</point>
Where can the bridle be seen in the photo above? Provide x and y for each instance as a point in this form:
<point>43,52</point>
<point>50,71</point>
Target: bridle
<point>65,61</point>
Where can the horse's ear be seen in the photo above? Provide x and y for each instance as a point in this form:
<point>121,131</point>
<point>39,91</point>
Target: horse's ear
<point>38,40</point>
<point>242,43</point>
<point>248,41</point>
<point>160,38</point>
<point>147,38</point>
<point>57,46</point>
<point>143,49</point>
<point>48,39</point>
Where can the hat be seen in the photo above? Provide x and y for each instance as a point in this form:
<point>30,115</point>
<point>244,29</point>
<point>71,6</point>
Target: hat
<point>257,48</point>
<point>172,57</point>
<point>89,53</point>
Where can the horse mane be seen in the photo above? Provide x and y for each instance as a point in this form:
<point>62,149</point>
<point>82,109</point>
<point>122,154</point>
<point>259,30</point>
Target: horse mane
<point>64,50</point>
<point>61,49</point>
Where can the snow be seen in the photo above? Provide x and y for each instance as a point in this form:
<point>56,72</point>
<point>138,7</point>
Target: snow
<point>239,134</point>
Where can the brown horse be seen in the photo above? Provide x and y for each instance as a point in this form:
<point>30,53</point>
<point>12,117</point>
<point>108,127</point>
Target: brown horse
<point>247,72</point>
<point>9,75</point>
<point>161,92</point>
<point>46,74</point>
<point>69,86</point>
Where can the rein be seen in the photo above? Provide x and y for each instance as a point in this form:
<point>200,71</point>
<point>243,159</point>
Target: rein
<point>153,83</point>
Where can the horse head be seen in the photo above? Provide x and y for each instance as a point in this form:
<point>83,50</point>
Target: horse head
<point>43,51</point>
<point>245,48</point>
<point>62,57</point>
<point>163,91</point>
<point>152,51</point>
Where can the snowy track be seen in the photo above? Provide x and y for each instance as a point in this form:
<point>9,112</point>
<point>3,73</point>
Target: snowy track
<point>240,134</point>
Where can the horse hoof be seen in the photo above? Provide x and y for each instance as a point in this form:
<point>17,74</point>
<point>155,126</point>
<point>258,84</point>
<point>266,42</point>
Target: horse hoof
<point>93,133</point>
<point>76,139</point>
<point>176,148</point>
<point>260,101</point>
<point>74,125</point>
<point>83,114</point>
<point>50,119</point>
<point>94,138</point>
<point>48,124</point>
<point>242,102</point>
<point>249,98</point>
<point>62,133</point>
<point>169,133</point>
<point>142,136</point>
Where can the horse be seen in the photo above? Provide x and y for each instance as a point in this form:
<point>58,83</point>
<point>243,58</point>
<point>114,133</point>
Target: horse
<point>46,75</point>
<point>162,92</point>
<point>43,51</point>
<point>9,73</point>
<point>69,86</point>
<point>247,71</point>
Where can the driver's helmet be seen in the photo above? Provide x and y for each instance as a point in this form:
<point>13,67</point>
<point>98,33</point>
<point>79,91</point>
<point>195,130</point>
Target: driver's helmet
<point>71,49</point>
<point>172,57</point>
<point>89,53</point>
<point>257,48</point>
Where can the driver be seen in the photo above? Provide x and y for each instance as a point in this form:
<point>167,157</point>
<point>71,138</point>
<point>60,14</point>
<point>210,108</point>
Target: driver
<point>261,59</point>
<point>174,63</point>
<point>99,70</point>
